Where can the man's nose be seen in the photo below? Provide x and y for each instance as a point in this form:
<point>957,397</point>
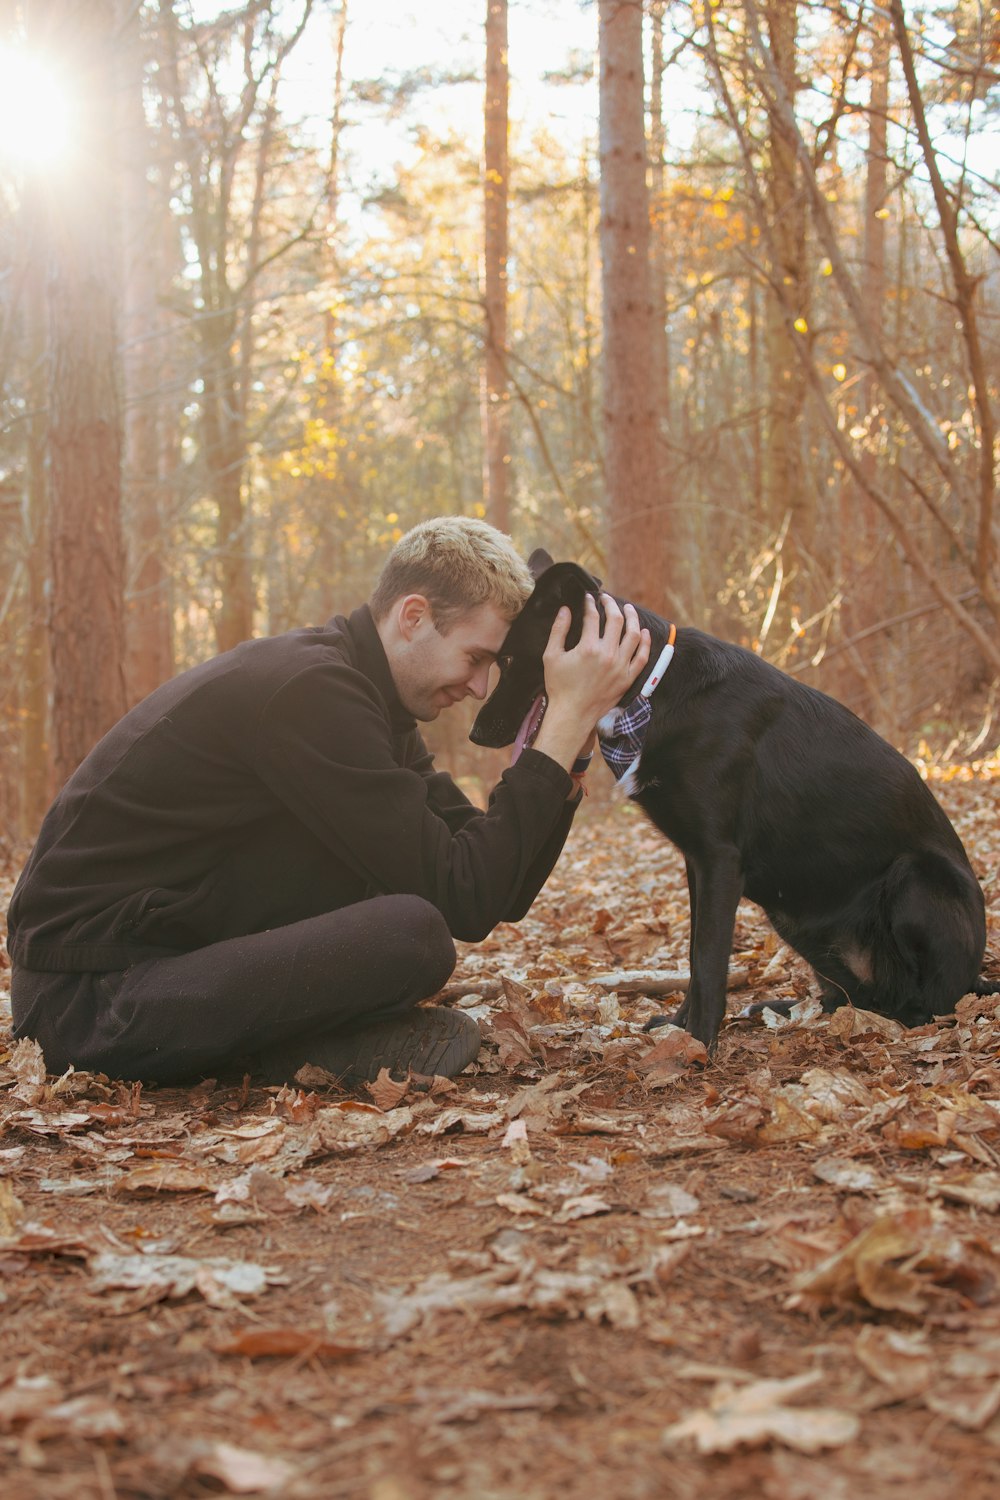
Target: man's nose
<point>478,683</point>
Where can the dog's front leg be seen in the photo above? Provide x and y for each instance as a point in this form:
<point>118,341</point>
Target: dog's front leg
<point>715,885</point>
<point>680,1015</point>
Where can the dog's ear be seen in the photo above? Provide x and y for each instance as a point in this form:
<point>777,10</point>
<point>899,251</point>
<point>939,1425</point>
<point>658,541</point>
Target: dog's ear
<point>568,582</point>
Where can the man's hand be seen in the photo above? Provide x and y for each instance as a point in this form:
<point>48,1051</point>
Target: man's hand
<point>585,683</point>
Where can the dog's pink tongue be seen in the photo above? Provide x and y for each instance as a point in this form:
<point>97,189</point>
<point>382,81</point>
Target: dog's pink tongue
<point>530,727</point>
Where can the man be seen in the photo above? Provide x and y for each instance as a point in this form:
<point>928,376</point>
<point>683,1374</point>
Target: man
<point>259,866</point>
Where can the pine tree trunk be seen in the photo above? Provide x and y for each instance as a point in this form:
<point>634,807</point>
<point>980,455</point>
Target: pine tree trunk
<point>36,788</point>
<point>495,396</point>
<point>87,630</point>
<point>637,520</point>
<point>149,653</point>
<point>786,488</point>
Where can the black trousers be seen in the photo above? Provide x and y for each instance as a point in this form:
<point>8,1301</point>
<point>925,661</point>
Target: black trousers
<point>217,1010</point>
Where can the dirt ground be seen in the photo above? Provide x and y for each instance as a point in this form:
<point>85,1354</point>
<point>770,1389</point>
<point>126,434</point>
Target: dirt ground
<point>589,1267</point>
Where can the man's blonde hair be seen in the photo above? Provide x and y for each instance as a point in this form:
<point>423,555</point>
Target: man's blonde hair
<point>457,563</point>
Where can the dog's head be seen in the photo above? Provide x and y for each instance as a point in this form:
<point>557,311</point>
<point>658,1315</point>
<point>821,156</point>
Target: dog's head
<point>520,658</point>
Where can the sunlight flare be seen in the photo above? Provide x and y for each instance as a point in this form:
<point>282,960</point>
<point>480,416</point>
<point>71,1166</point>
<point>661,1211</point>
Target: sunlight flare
<point>36,110</point>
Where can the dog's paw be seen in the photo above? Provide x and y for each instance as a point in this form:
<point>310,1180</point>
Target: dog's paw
<point>655,1021</point>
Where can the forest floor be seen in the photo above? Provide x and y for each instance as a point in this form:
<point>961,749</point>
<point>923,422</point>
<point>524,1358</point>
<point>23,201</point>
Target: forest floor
<point>589,1267</point>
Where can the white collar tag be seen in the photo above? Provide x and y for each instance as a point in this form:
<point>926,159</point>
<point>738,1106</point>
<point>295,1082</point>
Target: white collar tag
<point>662,663</point>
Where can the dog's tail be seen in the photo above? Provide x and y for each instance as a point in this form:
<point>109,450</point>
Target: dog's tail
<point>986,987</point>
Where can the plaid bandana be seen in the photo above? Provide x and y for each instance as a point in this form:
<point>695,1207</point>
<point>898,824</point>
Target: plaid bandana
<point>622,733</point>
<point>621,743</point>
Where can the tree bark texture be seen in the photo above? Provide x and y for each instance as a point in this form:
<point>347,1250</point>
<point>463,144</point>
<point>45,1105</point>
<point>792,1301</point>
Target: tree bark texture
<point>637,519</point>
<point>36,760</point>
<point>787,491</point>
<point>86,621</point>
<point>495,395</point>
<point>148,635</point>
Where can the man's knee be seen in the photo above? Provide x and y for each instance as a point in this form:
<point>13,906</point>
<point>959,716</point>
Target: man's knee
<point>418,931</point>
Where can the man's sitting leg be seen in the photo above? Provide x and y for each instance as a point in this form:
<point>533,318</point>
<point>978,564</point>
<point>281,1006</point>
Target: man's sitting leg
<point>338,990</point>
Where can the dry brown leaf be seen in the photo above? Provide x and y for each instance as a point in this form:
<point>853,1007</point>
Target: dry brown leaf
<point>11,1211</point>
<point>582,1207</point>
<point>673,1054</point>
<point>738,1121</point>
<point>978,1189</point>
<point>241,1471</point>
<point>156,1278</point>
<point>787,1122</point>
<point>152,1177</point>
<point>851,1176</point>
<point>749,1416</point>
<point>285,1343</point>
<point>668,1201</point>
<point>387,1091</point>
<point>28,1067</point>
<point>470,1121</point>
<point>352,1126</point>
<point>904,1262</point>
<point>904,1362</point>
<point>26,1397</point>
<point>848,1023</point>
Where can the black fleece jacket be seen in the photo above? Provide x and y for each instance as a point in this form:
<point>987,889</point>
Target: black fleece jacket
<point>296,744</point>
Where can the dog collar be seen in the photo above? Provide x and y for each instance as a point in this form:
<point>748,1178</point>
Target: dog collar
<point>662,663</point>
<point>622,733</point>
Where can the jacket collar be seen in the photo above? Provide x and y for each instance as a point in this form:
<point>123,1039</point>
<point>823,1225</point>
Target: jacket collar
<point>373,662</point>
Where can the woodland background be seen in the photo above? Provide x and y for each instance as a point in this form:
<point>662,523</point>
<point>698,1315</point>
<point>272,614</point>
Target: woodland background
<point>709,304</point>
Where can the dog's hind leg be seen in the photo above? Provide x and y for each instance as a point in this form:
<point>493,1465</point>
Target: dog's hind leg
<point>930,941</point>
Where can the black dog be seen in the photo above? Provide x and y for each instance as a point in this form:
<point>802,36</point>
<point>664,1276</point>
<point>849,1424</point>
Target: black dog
<point>773,791</point>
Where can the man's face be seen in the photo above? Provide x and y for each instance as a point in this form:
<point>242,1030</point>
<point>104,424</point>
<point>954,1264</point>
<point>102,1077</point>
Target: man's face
<point>433,669</point>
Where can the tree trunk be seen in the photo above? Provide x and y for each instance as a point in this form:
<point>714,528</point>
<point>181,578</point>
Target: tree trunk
<point>660,228</point>
<point>637,520</point>
<point>86,622</point>
<point>786,489</point>
<point>149,654</point>
<point>36,787</point>
<point>495,396</point>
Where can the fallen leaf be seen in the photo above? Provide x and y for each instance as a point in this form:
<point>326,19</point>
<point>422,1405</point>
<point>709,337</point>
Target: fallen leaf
<point>28,1067</point>
<point>751,1415</point>
<point>518,1203</point>
<point>582,1207</point>
<point>11,1211</point>
<point>515,1140</point>
<point>156,1278</point>
<point>979,1189</point>
<point>847,1023</point>
<point>285,1343</point>
<point>904,1362</point>
<point>428,1170</point>
<point>154,1177</point>
<point>387,1091</point>
<point>904,1262</point>
<point>673,1054</point>
<point>668,1201</point>
<point>338,1129</point>
<point>852,1176</point>
<point>26,1397</point>
<point>472,1121</point>
<point>242,1471</point>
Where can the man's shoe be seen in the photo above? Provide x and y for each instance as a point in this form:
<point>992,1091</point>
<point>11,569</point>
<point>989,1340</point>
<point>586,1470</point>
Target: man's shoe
<point>429,1040</point>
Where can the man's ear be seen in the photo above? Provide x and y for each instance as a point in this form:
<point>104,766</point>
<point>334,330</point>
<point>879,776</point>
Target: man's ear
<point>411,612</point>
